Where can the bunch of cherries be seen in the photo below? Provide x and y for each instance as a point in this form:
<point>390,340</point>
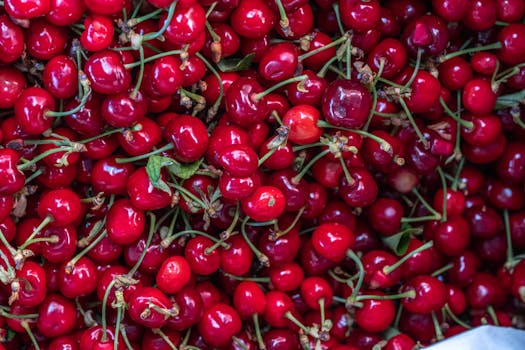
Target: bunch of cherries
<point>260,174</point>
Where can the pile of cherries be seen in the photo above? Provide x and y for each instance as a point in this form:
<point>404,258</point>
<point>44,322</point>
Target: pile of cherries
<point>260,174</point>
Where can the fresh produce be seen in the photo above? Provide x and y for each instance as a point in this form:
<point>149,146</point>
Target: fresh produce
<point>260,174</point>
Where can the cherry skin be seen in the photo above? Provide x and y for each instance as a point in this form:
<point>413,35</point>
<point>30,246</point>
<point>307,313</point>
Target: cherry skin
<point>143,194</point>
<point>375,277</point>
<point>107,73</point>
<point>79,282</point>
<point>450,10</point>
<point>279,62</point>
<point>385,216</point>
<point>142,141</point>
<point>346,104</point>
<point>511,38</point>
<point>45,40</point>
<point>238,258</point>
<point>249,299</point>
<point>454,73</point>
<point>11,179</point>
<point>187,24</point>
<point>478,97</point>
<point>266,203</point>
<point>56,316</point>
<point>32,281</point>
<point>315,289</point>
<point>191,307</point>
<point>12,83</point>
<point>302,121</point>
<point>332,240</point>
<point>375,315</point>
<point>252,19</point>
<point>282,250</point>
<point>426,33</point>
<point>62,206</point>
<point>430,295</point>
<point>11,40</point>
<point>277,305</point>
<point>219,323</point>
<point>243,105</point>
<point>362,191</point>
<point>238,160</point>
<point>65,12</point>
<point>31,108</point>
<point>145,307</point>
<point>360,15</point>
<point>393,55</point>
<point>425,92</point>
<point>98,33</point>
<point>125,223</point>
<point>60,77</point>
<point>173,275</point>
<point>110,177</point>
<point>201,260</point>
<point>27,9</point>
<point>105,7</point>
<point>301,22</point>
<point>166,76</point>
<point>189,137</point>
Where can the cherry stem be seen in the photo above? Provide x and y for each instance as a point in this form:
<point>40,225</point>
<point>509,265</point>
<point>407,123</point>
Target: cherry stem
<point>252,279</point>
<point>335,6</point>
<point>86,94</point>
<point>33,176</point>
<point>297,178</point>
<point>168,240</point>
<point>215,108</point>
<point>152,58</point>
<point>280,84</point>
<point>140,75</point>
<point>188,196</point>
<point>348,176</point>
<point>25,325</point>
<point>508,235</point>
<point>75,147</point>
<point>284,22</point>
<point>437,327</point>
<point>415,191</point>
<point>281,233</point>
<point>295,321</point>
<point>71,264</point>
<point>453,115</point>
<point>390,268</point>
<point>258,335</point>
<point>263,259</point>
<point>445,195</point>
<point>164,148</point>
<point>126,339</point>
<point>169,17</point>
<point>326,66</point>
<point>408,294</point>
<point>50,239</point>
<point>412,121</point>
<point>454,318</point>
<point>493,46</point>
<point>385,146</point>
<point>414,73</point>
<point>6,314</point>
<point>308,146</point>
<point>492,314</point>
<point>104,308</point>
<point>6,244</point>
<point>267,155</point>
<point>165,338</point>
<point>11,274</point>
<point>442,269</point>
<point>136,20</point>
<point>361,273</point>
<point>455,180</point>
<point>146,246</point>
<point>47,220</point>
<point>117,328</point>
<point>325,47</point>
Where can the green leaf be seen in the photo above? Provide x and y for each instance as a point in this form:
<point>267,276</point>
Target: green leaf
<point>399,242</point>
<point>154,167</point>
<point>184,170</point>
<point>235,64</point>
<point>510,100</point>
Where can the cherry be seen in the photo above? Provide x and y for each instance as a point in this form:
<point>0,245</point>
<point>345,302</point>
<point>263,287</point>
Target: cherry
<point>425,92</point>
<point>266,203</point>
<point>303,123</point>
<point>478,97</point>
<point>391,54</point>
<point>12,40</point>
<point>430,295</point>
<point>65,12</point>
<point>278,304</point>
<point>61,206</point>
<point>316,293</point>
<point>426,33</point>
<point>12,83</point>
<point>30,289</point>
<point>455,73</point>
<point>149,307</point>
<point>27,10</point>
<point>242,103</point>
<point>166,76</point>
<point>191,306</point>
<point>229,42</point>
<point>98,33</point>
<point>202,260</point>
<point>125,223</point>
<point>12,179</point>
<point>78,280</point>
<point>510,10</point>
<point>375,315</point>
<point>282,250</point>
<point>385,216</point>
<point>56,316</point>
<point>187,24</point>
<point>189,137</point>
<point>463,268</point>
<point>153,258</point>
<point>60,77</point>
<point>362,191</point>
<point>219,323</point>
<point>173,275</point>
<point>346,104</point>
<point>107,73</point>
<point>31,108</point>
<point>110,177</point>
<point>450,10</point>
<point>158,341</point>
<point>484,221</point>
<point>279,62</point>
<point>141,141</point>
<point>511,165</point>
<point>64,342</point>
<point>482,291</point>
<point>374,263</point>
<point>332,240</point>
<point>249,299</point>
<point>360,15</point>
<point>88,120</point>
<point>252,19</point>
<point>45,40</point>
<point>143,194</point>
<point>504,196</point>
<point>237,259</point>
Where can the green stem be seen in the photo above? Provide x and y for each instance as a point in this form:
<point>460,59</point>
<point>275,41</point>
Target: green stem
<point>152,58</point>
<point>279,85</point>
<point>493,46</point>
<point>322,48</point>
<point>445,193</point>
<point>146,246</point>
<point>164,148</point>
<point>263,259</point>
<point>47,220</point>
<point>361,271</point>
<point>140,74</point>
<point>304,170</point>
<point>413,122</point>
<point>104,308</point>
<point>508,235</point>
<point>169,17</point>
<point>390,268</point>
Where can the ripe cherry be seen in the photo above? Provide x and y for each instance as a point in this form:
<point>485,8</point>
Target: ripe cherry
<point>375,315</point>
<point>78,280</point>
<point>478,97</point>
<point>346,104</point>
<point>56,316</point>
<point>125,223</point>
<point>252,19</point>
<point>107,73</point>
<point>30,289</point>
<point>60,207</point>
<point>143,194</point>
<point>332,240</point>
<point>219,323</point>
<point>266,203</point>
<point>430,295</point>
<point>249,299</point>
<point>189,137</point>
<point>150,307</point>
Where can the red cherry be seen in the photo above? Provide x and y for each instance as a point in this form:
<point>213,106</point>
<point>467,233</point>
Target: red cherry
<point>80,281</point>
<point>430,295</point>
<point>202,260</point>
<point>173,275</point>
<point>249,299</point>
<point>56,316</point>
<point>27,9</point>
<point>332,240</point>
<point>189,137</point>
<point>360,15</point>
<point>98,33</point>
<point>375,315</point>
<point>252,19</point>
<point>12,83</point>
<point>346,104</point>
<point>62,206</point>
<point>266,203</point>
<point>107,73</point>
<point>32,284</point>
<point>219,324</point>
<point>143,194</point>
<point>105,7</point>
<point>149,307</point>
<point>478,97</point>
<point>302,121</point>
<point>279,62</point>
<point>125,223</point>
<point>11,179</point>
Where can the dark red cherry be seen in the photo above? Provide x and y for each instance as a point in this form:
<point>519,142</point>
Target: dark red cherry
<point>11,40</point>
<point>218,325</point>
<point>31,108</point>
<point>80,281</point>
<point>253,19</point>
<point>45,40</point>
<point>143,194</point>
<point>56,316</point>
<point>12,83</point>
<point>11,179</point>
<point>481,15</point>
<point>149,307</point>
<point>189,137</point>
<point>279,62</point>
<point>125,223</point>
<point>346,104</point>
<point>478,97</point>
<point>430,295</point>
<point>27,9</point>
<point>111,177</point>
<point>451,10</point>
<point>107,73</point>
<point>243,105</point>
<point>426,33</point>
<point>360,15</point>
<point>201,259</point>
<point>32,285</point>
